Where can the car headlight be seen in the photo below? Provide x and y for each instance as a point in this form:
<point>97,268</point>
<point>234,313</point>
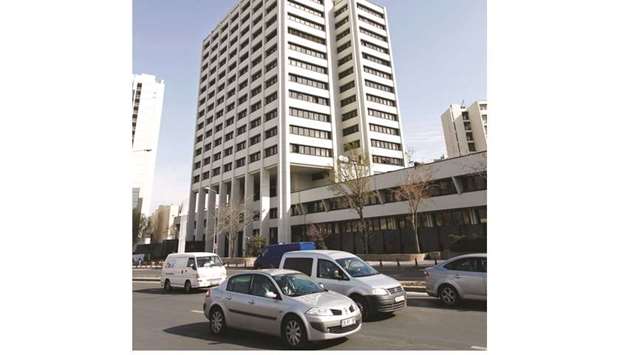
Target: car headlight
<point>319,311</point>
<point>379,291</point>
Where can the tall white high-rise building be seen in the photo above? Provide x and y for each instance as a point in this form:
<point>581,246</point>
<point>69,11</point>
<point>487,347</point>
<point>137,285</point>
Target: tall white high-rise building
<point>148,99</point>
<point>286,88</point>
<point>465,128</point>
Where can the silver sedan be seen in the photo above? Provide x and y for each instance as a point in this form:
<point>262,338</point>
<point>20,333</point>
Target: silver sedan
<point>459,278</point>
<point>281,302</point>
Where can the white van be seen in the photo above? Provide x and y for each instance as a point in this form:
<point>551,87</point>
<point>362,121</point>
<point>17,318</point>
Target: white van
<point>349,275</point>
<point>192,270</point>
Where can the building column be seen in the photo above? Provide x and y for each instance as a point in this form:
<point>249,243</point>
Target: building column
<point>189,230</point>
<point>201,215</point>
<point>284,205</point>
<point>264,203</point>
<point>221,202</point>
<point>250,208</point>
<point>210,220</point>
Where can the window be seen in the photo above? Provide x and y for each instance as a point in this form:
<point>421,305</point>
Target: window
<point>376,85</point>
<point>240,162</point>
<point>271,81</point>
<point>342,34</point>
<point>342,22</point>
<point>308,150</point>
<point>309,132</point>
<point>381,114</point>
<point>348,100</point>
<point>256,90</point>
<point>351,145</point>
<point>371,22</point>
<point>347,86</point>
<point>307,81</point>
<point>308,66</point>
<point>380,100</point>
<point>228,151</point>
<point>350,130</point>
<point>241,146</point>
<point>309,98</point>
<point>306,22</point>
<point>465,264</point>
<point>345,59</point>
<point>341,10</point>
<point>254,157</point>
<point>378,73</point>
<point>227,167</point>
<point>261,285</point>
<point>217,142</point>
<point>305,8</point>
<point>345,73</point>
<point>328,270</point>
<point>215,172</point>
<point>241,130</point>
<point>309,115</point>
<point>273,213</point>
<point>369,10</point>
<point>255,123</point>
<point>349,115</point>
<point>239,284</point>
<point>385,145</point>
<point>256,106</point>
<point>271,98</point>
<point>255,140</point>
<point>271,65</point>
<point>300,264</point>
<point>373,34</point>
<point>306,50</point>
<point>374,59</point>
<point>306,36</point>
<point>217,156</point>
<point>271,132</point>
<point>386,160</point>
<point>271,115</point>
<point>230,121</point>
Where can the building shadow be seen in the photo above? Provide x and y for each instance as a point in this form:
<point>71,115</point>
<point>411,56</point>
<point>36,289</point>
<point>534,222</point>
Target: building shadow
<point>173,292</point>
<point>248,339</point>
<point>465,306</point>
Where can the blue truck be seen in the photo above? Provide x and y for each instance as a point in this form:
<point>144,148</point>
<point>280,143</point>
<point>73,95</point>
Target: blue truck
<point>271,255</point>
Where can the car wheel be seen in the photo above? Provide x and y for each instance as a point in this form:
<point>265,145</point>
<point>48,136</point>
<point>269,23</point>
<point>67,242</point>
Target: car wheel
<point>362,304</point>
<point>217,322</point>
<point>448,295</point>
<point>188,286</point>
<point>167,286</point>
<point>294,332</point>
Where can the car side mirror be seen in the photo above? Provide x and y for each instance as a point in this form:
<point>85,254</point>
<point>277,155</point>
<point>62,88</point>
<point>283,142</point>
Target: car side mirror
<point>322,286</point>
<point>194,267</point>
<point>271,295</point>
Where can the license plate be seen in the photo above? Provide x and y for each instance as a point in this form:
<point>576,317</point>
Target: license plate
<point>399,298</point>
<point>347,322</point>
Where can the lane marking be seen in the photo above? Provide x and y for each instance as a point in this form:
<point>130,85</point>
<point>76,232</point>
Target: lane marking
<point>196,311</point>
<point>146,282</point>
<point>478,347</point>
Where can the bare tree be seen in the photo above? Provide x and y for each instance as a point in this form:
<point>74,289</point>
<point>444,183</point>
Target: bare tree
<point>139,225</point>
<point>318,234</point>
<point>255,244</point>
<point>232,218</point>
<point>351,180</point>
<point>415,189</point>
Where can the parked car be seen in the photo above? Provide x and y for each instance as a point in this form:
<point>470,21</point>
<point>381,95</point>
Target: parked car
<point>349,275</point>
<point>192,270</point>
<point>459,278</point>
<point>280,302</point>
<point>271,255</point>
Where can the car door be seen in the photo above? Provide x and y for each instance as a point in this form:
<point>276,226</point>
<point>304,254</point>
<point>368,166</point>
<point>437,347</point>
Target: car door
<point>179,268</point>
<point>301,264</point>
<point>465,273</point>
<point>332,276</point>
<point>266,304</point>
<point>190,271</point>
<point>483,271</point>
<point>237,301</point>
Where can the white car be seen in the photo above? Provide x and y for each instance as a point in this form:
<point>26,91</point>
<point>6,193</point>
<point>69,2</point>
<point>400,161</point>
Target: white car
<point>280,302</point>
<point>192,270</point>
<point>349,275</point>
<point>459,278</point>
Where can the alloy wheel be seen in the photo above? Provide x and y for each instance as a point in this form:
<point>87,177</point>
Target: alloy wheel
<point>293,332</point>
<point>448,295</point>
<point>217,321</point>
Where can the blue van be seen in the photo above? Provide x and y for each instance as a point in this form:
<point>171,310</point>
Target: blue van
<point>271,255</point>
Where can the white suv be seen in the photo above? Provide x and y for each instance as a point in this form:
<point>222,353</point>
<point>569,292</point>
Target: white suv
<point>349,275</point>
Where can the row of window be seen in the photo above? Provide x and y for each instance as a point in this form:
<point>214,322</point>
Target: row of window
<point>311,115</point>
<point>385,145</point>
<point>307,36</point>
<point>387,160</point>
<point>309,150</point>
<point>308,66</point>
<point>371,22</point>
<point>370,11</point>
<point>384,129</point>
<point>377,60</point>
<point>306,50</point>
<point>373,34</point>
<point>307,81</point>
<point>306,22</point>
<point>343,33</point>
<point>375,47</point>
<point>305,8</point>
<point>382,114</point>
<point>376,85</point>
<point>308,98</point>
<point>310,132</point>
<point>380,100</point>
<point>350,130</point>
<point>378,73</point>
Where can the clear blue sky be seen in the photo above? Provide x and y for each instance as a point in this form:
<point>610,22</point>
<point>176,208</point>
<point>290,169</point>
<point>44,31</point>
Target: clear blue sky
<point>439,49</point>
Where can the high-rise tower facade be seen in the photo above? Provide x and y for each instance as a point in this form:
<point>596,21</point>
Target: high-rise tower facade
<point>287,87</point>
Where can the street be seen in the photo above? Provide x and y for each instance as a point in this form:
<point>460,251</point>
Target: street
<point>175,321</point>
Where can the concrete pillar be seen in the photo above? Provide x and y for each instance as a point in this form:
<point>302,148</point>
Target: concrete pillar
<point>249,199</point>
<point>221,202</point>
<point>201,214</point>
<point>235,201</point>
<point>210,220</point>
<point>264,203</point>
<point>189,230</point>
<point>284,204</point>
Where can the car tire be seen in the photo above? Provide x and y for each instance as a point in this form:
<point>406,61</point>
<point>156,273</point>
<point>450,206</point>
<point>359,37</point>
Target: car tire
<point>188,286</point>
<point>294,333</point>
<point>217,321</point>
<point>362,304</point>
<point>448,295</point>
<point>167,286</point>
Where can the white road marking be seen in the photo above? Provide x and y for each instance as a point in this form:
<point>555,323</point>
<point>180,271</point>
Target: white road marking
<point>478,347</point>
<point>146,282</point>
<point>417,295</point>
<point>197,311</point>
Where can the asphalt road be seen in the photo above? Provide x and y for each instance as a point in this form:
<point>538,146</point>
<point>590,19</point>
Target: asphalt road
<point>175,321</point>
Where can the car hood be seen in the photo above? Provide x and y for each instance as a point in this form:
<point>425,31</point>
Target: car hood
<point>379,281</point>
<point>324,299</point>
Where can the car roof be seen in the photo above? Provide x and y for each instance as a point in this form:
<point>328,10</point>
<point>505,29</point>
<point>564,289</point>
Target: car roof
<point>191,254</point>
<point>270,272</point>
<point>472,255</point>
<point>335,254</point>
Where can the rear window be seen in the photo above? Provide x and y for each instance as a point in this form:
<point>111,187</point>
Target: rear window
<point>300,264</point>
<point>239,284</point>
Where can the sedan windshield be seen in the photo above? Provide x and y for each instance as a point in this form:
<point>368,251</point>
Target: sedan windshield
<point>356,267</point>
<point>294,285</point>
<point>208,261</point>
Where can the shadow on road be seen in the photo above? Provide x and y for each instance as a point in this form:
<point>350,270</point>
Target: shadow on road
<point>240,337</point>
<point>465,306</point>
<point>174,291</point>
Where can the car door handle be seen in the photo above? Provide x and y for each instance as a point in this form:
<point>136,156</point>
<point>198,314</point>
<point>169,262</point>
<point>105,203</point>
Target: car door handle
<point>251,301</point>
<point>457,276</point>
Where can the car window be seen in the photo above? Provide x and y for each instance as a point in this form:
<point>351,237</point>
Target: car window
<point>356,267</point>
<point>300,264</point>
<point>261,285</point>
<point>483,264</point>
<point>191,262</point>
<point>294,285</point>
<point>240,284</point>
<point>208,261</point>
<point>329,270</point>
<point>465,264</point>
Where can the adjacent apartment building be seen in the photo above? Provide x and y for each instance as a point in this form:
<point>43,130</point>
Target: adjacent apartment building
<point>286,88</point>
<point>465,128</point>
<point>147,99</point>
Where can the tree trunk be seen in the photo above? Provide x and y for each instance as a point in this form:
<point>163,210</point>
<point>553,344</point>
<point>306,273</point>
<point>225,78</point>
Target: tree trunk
<point>414,225</point>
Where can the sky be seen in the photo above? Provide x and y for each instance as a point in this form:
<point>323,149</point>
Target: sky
<point>438,49</point>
